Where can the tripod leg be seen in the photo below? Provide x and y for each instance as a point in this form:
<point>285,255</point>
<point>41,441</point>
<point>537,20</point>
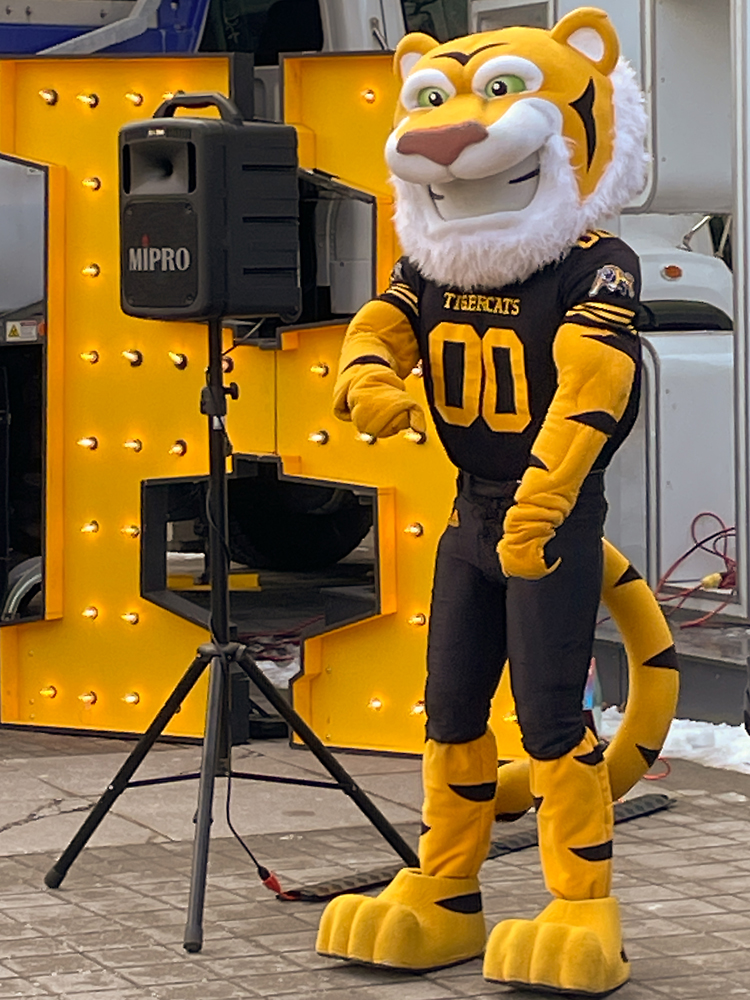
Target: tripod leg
<point>193,940</point>
<point>119,783</point>
<point>326,758</point>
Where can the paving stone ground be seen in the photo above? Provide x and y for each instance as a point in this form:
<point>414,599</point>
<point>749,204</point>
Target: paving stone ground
<point>113,930</point>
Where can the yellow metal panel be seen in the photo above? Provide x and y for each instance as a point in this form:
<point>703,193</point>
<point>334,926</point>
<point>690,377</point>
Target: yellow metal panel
<point>347,102</point>
<point>154,402</point>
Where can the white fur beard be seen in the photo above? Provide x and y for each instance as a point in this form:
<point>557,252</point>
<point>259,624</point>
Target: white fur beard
<point>492,251</point>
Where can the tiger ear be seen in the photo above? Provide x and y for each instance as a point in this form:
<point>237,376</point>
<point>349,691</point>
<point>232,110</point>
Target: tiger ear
<point>410,50</point>
<point>589,31</point>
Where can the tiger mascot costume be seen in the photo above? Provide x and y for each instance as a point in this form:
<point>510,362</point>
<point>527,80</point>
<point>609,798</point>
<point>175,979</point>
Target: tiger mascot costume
<point>509,147</point>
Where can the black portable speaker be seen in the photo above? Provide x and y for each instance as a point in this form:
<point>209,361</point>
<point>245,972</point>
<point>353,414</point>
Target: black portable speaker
<point>209,215</point>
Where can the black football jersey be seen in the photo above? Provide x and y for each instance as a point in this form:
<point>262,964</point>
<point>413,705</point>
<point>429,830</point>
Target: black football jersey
<point>487,356</point>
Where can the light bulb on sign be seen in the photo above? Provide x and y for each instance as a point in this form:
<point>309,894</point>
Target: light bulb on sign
<point>178,360</point>
<point>131,530</point>
<point>369,96</point>
<point>50,691</point>
<point>88,697</point>
<point>91,270</point>
<point>48,95</point>
<point>90,100</point>
<point>91,443</point>
<point>134,98</point>
<point>90,612</point>
<point>92,183</point>
<point>318,437</point>
<point>91,356</point>
<point>416,530</point>
<point>90,528</point>
<point>418,619</point>
<point>418,708</point>
<point>131,617</point>
<point>134,357</point>
<point>133,444</point>
<point>375,704</point>
<point>131,698</point>
<point>321,368</point>
<point>367,438</point>
<point>178,448</point>
<point>417,437</point>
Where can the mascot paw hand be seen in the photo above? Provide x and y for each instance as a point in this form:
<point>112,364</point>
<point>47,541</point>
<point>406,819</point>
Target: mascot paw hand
<point>417,923</point>
<point>525,558</point>
<point>572,946</point>
<point>385,411</point>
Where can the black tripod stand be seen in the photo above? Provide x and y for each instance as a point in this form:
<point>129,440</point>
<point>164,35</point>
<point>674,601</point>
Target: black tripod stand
<point>219,654</point>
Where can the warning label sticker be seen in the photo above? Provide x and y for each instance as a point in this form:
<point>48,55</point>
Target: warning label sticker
<point>21,329</point>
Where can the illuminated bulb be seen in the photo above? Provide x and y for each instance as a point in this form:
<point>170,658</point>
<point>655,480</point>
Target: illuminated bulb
<point>369,95</point>
<point>417,370</point>
<point>90,528</point>
<point>91,443</point>
<point>131,530</point>
<point>91,356</point>
<point>90,612</point>
<point>418,437</point>
<point>131,617</point>
<point>419,619</point>
<point>375,704</point>
<point>131,698</point>
<point>91,270</point>
<point>318,437</point>
<point>321,369</point>
<point>418,708</point>
<point>367,438</point>
<point>136,99</point>
<point>227,364</point>
<point>179,447</point>
<point>92,183</point>
<point>48,95</point>
<point>167,95</point>
<point>134,357</point>
<point>133,444</point>
<point>88,697</point>
<point>178,360</point>
<point>415,529</point>
<point>91,100</point>
<point>49,691</point>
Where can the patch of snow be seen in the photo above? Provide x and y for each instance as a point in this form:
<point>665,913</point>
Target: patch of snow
<point>714,745</point>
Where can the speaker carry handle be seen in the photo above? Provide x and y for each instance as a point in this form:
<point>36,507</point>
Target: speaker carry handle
<point>205,99</point>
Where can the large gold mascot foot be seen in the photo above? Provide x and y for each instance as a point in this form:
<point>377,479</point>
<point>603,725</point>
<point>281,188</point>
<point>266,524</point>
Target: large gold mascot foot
<point>572,947</point>
<point>418,923</point>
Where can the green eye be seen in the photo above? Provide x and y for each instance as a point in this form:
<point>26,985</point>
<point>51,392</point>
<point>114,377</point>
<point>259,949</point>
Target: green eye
<point>432,97</point>
<point>501,85</point>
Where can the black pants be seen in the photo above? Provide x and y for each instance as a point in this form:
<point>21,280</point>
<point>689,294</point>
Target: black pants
<point>545,628</point>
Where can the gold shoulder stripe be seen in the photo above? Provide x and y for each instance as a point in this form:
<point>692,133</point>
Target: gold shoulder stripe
<point>407,301</point>
<point>611,307</point>
<point>405,289</point>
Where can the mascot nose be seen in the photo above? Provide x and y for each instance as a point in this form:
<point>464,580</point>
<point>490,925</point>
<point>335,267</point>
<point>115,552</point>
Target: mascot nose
<point>441,145</point>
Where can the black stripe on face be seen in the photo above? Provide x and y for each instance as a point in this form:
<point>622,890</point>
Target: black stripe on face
<point>464,57</point>
<point>484,792</point>
<point>600,420</point>
<point>599,852</point>
<point>584,106</point>
<point>471,902</point>
<point>667,658</point>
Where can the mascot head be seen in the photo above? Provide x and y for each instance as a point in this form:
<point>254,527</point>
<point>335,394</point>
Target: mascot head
<point>509,144</point>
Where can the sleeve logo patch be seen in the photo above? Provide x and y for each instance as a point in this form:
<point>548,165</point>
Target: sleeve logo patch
<point>613,279</point>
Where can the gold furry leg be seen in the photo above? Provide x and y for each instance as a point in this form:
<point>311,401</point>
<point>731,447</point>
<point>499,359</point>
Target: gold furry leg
<point>575,944</point>
<point>429,917</point>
